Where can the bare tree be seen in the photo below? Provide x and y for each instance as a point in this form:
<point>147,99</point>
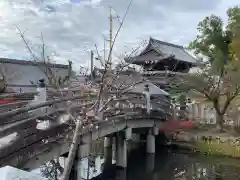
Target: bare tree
<point>109,80</point>
<point>52,169</point>
<point>55,80</point>
<point>220,85</point>
<point>106,77</point>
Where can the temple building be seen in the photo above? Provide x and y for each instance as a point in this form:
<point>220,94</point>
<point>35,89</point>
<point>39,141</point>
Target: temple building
<point>159,56</point>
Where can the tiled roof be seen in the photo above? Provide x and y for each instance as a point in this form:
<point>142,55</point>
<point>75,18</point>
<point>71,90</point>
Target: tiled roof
<point>162,50</point>
<point>153,89</point>
<point>168,49</point>
<point>32,63</point>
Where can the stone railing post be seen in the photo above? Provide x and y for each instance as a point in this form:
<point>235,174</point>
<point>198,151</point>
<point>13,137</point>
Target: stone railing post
<point>128,133</point>
<point>40,97</point>
<point>108,152</point>
<point>206,114</point>
<point>190,111</point>
<point>150,142</point>
<point>202,113</point>
<point>42,92</point>
<point>148,101</point>
<point>121,151</point>
<point>237,120</point>
<point>193,111</point>
<point>196,110</point>
<point>214,116</point>
<point>174,111</point>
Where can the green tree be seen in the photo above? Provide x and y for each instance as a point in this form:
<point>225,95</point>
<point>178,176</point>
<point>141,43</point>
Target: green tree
<point>234,27</point>
<point>219,80</point>
<point>236,45</point>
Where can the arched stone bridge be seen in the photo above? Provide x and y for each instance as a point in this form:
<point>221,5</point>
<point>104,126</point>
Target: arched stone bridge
<point>27,143</point>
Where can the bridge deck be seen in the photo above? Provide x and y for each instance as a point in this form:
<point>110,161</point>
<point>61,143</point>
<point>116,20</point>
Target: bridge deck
<point>24,140</point>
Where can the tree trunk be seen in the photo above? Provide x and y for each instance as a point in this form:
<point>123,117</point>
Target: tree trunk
<point>72,151</point>
<point>220,121</point>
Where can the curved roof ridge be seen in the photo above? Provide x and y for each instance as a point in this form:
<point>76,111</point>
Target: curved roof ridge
<point>165,43</point>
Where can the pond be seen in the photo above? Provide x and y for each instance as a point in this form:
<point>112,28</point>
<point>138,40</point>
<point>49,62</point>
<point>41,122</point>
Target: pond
<point>166,164</point>
<point>172,165</point>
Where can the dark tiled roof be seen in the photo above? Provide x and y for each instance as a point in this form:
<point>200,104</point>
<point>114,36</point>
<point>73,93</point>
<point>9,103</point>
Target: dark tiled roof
<point>162,50</point>
<point>31,63</point>
<point>168,49</point>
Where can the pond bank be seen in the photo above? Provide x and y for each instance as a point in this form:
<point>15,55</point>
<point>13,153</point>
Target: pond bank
<point>208,143</point>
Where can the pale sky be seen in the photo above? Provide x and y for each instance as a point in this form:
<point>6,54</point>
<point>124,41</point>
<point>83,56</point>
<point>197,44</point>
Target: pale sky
<point>72,27</point>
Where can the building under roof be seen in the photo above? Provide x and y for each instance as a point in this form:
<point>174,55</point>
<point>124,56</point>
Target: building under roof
<point>153,89</point>
<point>159,55</point>
<point>133,81</point>
<point>20,73</point>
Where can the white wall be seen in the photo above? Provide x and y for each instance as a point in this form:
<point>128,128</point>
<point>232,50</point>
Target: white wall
<point>23,74</point>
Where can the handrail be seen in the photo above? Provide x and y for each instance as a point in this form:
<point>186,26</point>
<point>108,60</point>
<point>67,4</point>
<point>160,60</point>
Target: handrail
<point>48,103</point>
<point>12,95</point>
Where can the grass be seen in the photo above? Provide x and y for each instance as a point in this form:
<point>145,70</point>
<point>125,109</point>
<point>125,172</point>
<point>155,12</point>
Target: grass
<point>223,160</point>
<point>221,149</point>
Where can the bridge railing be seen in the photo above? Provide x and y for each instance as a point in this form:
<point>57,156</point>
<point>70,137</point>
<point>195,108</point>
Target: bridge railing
<point>26,111</point>
<point>22,118</point>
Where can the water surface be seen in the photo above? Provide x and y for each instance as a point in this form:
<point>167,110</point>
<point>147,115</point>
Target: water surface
<point>169,165</point>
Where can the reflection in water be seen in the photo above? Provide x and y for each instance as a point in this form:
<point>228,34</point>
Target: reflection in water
<point>168,165</point>
<point>150,162</point>
<point>89,168</point>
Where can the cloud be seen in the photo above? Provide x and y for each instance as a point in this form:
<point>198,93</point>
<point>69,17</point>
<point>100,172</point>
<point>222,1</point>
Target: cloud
<point>72,27</point>
<point>190,6</point>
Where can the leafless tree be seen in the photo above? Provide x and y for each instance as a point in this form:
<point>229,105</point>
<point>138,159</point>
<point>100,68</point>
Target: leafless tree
<point>52,169</point>
<point>105,80</point>
<point>109,80</point>
<point>220,85</point>
<point>54,79</point>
